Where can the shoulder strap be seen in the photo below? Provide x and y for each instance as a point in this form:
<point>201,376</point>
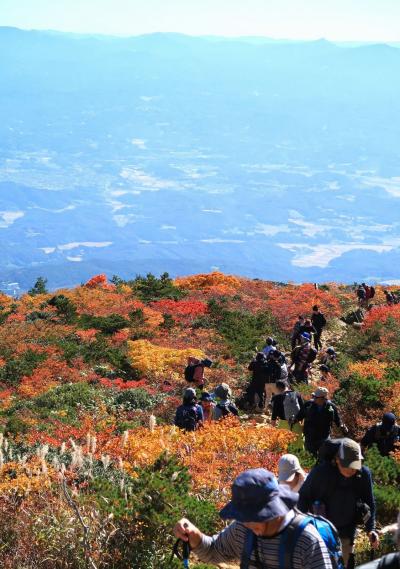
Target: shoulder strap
<point>289,538</point>
<point>247,549</point>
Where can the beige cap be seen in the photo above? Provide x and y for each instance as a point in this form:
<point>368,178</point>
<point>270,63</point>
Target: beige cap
<point>288,466</point>
<point>321,392</point>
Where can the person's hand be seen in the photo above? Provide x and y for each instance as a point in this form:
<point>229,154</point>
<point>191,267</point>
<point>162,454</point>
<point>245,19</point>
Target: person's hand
<point>186,531</point>
<point>345,430</point>
<point>373,537</point>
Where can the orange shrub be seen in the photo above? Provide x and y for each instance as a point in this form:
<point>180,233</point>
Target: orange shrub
<point>149,358</point>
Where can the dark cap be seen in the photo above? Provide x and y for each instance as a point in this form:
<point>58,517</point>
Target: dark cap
<point>257,497</point>
<point>388,420</point>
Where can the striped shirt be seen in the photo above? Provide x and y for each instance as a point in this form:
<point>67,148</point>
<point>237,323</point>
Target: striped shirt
<point>309,552</point>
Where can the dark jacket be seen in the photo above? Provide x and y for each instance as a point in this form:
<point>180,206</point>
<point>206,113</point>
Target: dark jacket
<point>385,440</point>
<point>278,411</point>
<point>318,320</point>
<point>339,495</point>
<point>260,371</point>
<point>389,561</point>
<point>318,420</point>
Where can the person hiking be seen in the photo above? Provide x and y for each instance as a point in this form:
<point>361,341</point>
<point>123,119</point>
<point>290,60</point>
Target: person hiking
<point>208,406</point>
<point>307,327</point>
<point>194,371</point>
<point>264,515</point>
<point>302,357</point>
<point>341,491</point>
<point>319,415</point>
<point>225,406</point>
<point>318,320</point>
<point>361,295</point>
<point>256,389</point>
<point>390,299</point>
<point>325,373</point>
<point>294,337</point>
<point>274,373</point>
<point>329,357</point>
<point>290,472</point>
<point>189,416</point>
<point>270,346</point>
<point>286,405</point>
<point>385,435</point>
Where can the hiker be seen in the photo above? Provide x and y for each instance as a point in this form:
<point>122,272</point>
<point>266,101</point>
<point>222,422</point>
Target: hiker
<point>256,389</point>
<point>189,416</point>
<point>341,491</point>
<point>294,337</point>
<point>290,472</point>
<point>274,373</point>
<point>286,405</point>
<point>225,406</point>
<point>361,295</point>
<point>390,299</point>
<point>278,358</point>
<point>307,327</point>
<point>194,371</point>
<point>208,406</point>
<point>329,357</point>
<point>319,415</point>
<point>270,344</point>
<point>318,320</point>
<point>302,357</point>
<point>325,373</point>
<point>261,508</point>
<point>385,435</point>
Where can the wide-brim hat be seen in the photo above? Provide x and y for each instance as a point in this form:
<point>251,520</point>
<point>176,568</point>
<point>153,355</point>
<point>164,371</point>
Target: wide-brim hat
<point>288,467</point>
<point>257,497</point>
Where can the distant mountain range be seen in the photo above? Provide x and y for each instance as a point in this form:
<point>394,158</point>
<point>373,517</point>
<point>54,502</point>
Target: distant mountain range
<point>269,159</point>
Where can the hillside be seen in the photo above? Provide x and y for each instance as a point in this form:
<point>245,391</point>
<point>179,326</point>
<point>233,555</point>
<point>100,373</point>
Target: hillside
<point>90,377</point>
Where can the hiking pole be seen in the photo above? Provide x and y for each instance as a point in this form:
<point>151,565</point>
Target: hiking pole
<point>184,556</point>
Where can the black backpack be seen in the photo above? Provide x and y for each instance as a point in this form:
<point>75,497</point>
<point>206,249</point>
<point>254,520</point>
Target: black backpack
<point>371,292</point>
<point>227,409</point>
<point>312,354</point>
<point>189,372</point>
<point>186,418</point>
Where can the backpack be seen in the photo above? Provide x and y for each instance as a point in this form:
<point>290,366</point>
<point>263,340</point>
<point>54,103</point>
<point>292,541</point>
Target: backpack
<point>312,354</point>
<point>371,291</point>
<point>227,409</point>
<point>189,373</point>
<point>288,540</point>
<point>186,418</point>
<point>291,406</point>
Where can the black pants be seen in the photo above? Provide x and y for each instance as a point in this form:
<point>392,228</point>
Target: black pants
<point>317,339</point>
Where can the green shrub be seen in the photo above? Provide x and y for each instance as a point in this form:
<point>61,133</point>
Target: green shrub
<point>106,324</point>
<point>150,288</point>
<point>15,368</point>
<point>135,399</point>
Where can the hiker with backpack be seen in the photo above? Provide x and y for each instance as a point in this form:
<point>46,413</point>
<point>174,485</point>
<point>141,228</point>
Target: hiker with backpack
<point>286,405</point>
<point>386,435</point>
<point>302,357</point>
<point>361,295</point>
<point>390,299</point>
<point>267,531</point>
<point>319,415</point>
<point>341,490</point>
<point>295,335</point>
<point>194,371</point>
<point>318,320</point>
<point>189,416</point>
<point>256,390</point>
<point>290,472</point>
<point>329,357</point>
<point>225,407</point>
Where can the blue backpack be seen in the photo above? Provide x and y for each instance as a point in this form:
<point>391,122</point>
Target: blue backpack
<point>289,538</point>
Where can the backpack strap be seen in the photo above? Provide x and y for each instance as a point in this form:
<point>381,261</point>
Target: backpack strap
<point>247,549</point>
<point>289,538</point>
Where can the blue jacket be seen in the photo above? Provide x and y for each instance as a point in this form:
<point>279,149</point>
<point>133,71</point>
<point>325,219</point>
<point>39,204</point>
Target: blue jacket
<point>339,495</point>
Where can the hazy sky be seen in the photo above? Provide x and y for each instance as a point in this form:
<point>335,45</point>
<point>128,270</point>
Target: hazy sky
<point>372,20</point>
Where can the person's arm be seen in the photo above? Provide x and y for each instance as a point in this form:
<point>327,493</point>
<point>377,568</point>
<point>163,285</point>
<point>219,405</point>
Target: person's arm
<point>306,493</point>
<point>224,546</point>
<point>336,417</point>
<point>251,365</point>
<point>303,409</point>
<point>369,438</point>
<point>368,497</point>
<point>275,409</point>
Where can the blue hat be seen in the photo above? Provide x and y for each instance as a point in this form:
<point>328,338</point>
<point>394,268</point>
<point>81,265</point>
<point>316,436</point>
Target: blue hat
<point>306,336</point>
<point>257,497</point>
<point>205,396</point>
<point>388,420</point>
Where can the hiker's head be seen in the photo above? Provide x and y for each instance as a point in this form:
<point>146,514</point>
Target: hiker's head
<point>276,354</point>
<point>331,351</point>
<point>260,356</point>
<point>222,391</point>
<point>324,369</point>
<point>348,458</point>
<point>320,396</point>
<point>301,317</point>
<point>388,421</point>
<point>259,502</point>
<point>189,396</point>
<point>281,385</point>
<point>305,338</point>
<point>315,308</point>
<point>307,322</point>
<point>270,341</point>
<point>206,399</point>
<point>289,470</point>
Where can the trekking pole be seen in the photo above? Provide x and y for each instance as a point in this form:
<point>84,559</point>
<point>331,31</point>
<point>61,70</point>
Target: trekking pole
<point>185,555</point>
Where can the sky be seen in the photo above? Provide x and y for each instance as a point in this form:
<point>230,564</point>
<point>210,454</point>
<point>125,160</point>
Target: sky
<point>336,20</point>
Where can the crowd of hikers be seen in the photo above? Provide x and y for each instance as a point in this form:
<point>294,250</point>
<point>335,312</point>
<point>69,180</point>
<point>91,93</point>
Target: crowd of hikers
<point>297,520</point>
